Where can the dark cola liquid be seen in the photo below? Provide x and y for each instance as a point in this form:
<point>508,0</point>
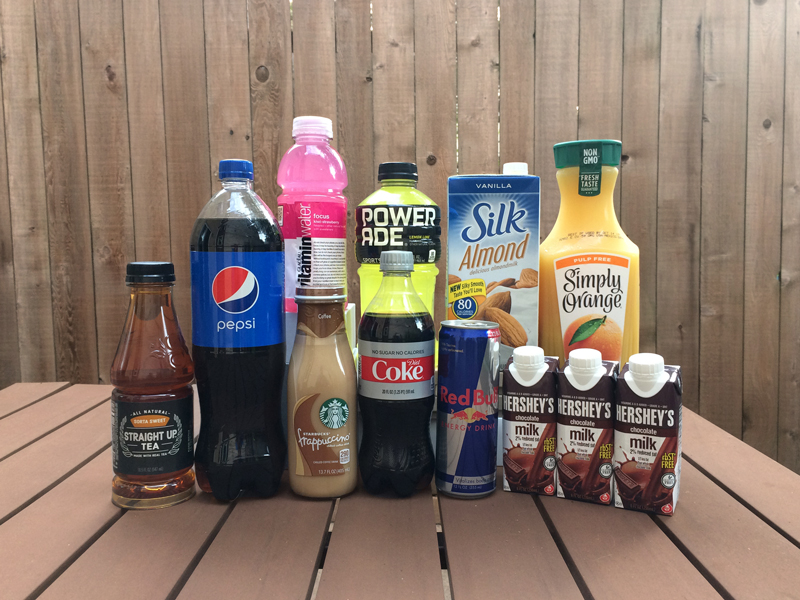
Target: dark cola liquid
<point>396,451</point>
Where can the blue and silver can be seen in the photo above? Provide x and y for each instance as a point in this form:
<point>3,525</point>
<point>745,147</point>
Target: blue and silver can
<point>467,401</point>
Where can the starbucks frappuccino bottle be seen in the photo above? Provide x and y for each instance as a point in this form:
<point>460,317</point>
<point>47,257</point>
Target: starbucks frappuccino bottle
<point>322,398</point>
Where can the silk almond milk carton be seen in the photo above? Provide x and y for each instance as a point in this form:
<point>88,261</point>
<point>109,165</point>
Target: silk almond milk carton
<point>493,253</point>
<point>647,436</point>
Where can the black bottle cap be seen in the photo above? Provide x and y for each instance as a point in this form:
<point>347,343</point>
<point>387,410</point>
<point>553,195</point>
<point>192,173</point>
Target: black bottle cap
<point>150,272</point>
<point>397,170</point>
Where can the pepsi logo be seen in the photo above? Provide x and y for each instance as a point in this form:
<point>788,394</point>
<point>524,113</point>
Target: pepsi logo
<point>235,290</point>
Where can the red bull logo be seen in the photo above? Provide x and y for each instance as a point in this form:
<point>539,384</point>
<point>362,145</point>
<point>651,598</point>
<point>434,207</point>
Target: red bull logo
<point>471,397</point>
<point>470,415</point>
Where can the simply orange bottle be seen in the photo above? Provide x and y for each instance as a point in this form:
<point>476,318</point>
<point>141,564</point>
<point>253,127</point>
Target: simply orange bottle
<point>589,269</point>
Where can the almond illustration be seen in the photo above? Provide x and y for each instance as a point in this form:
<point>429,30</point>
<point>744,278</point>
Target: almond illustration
<point>491,286</point>
<point>528,279</point>
<point>511,332</point>
<point>510,281</point>
<point>500,300</point>
<point>451,279</point>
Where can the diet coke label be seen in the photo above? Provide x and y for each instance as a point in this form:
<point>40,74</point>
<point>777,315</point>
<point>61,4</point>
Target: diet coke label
<point>395,371</point>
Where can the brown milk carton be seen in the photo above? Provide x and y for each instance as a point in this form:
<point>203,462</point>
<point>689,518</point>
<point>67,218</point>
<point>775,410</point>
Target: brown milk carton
<point>585,447</point>
<point>647,436</point>
<point>529,422</point>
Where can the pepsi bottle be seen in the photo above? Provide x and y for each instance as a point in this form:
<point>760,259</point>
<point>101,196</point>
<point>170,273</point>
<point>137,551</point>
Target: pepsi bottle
<point>238,339</point>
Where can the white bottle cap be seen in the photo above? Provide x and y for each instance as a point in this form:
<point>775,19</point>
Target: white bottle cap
<point>313,126</point>
<point>646,365</point>
<point>585,360</point>
<point>529,356</point>
<point>397,260</point>
<point>515,168</point>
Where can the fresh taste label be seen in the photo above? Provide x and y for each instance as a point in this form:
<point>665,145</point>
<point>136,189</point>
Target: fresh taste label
<point>592,293</point>
<point>591,169</point>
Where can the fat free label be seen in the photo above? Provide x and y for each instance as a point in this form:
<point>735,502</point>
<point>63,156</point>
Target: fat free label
<point>592,293</point>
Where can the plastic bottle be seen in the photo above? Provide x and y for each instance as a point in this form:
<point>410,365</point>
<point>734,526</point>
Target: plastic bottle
<point>312,212</point>
<point>398,217</point>
<point>238,338</point>
<point>151,406</point>
<point>395,384</point>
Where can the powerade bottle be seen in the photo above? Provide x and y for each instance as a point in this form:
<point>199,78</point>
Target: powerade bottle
<point>395,383</point>
<point>398,217</point>
<point>238,339</point>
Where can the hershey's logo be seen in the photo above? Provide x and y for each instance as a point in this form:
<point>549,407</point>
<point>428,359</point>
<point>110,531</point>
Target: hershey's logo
<point>582,435</point>
<point>530,429</point>
<point>528,405</point>
<point>645,443</point>
<point>638,415</point>
<point>584,408</point>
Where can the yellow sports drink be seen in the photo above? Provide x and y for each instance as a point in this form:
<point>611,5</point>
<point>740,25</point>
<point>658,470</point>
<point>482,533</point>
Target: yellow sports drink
<point>589,282</point>
<point>398,217</point>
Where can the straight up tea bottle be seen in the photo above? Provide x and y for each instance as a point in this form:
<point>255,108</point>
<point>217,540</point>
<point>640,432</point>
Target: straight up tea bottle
<point>151,407</point>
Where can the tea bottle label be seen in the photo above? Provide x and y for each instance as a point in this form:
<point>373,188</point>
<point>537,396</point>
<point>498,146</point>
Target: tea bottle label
<point>395,371</point>
<point>323,439</point>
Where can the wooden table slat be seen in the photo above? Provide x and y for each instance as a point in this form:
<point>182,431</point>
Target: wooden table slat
<point>20,395</point>
<point>36,420</point>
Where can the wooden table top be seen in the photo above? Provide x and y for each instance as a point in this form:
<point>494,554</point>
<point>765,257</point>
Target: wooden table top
<point>735,533</point>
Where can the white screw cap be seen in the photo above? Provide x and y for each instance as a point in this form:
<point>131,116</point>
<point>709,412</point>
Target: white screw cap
<point>397,260</point>
<point>646,365</point>
<point>312,125</point>
<point>528,356</point>
<point>515,168</point>
<point>585,360</point>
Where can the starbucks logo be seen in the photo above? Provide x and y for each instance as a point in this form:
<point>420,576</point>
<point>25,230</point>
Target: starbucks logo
<point>333,413</point>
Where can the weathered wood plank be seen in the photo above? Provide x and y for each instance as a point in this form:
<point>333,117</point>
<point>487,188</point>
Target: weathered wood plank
<point>27,192</point>
<point>638,183</point>
<point>270,92</point>
<point>405,567</point>
<point>517,62</point>
<point>679,167</point>
<point>762,251</point>
<point>145,92</point>
<point>556,119</point>
<point>109,162</point>
<point>722,215</point>
<point>20,395</point>
<point>478,38</point>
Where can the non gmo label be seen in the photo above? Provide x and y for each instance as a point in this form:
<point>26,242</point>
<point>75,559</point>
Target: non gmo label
<point>395,371</point>
<point>591,169</point>
<point>413,228</point>
<point>237,299</point>
<point>148,438</point>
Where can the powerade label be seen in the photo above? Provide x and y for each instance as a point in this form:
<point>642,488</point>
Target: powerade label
<point>148,438</point>
<point>414,228</point>
<point>395,371</point>
<point>237,299</point>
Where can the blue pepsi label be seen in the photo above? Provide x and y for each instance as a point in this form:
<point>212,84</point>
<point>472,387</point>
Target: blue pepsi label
<point>237,299</point>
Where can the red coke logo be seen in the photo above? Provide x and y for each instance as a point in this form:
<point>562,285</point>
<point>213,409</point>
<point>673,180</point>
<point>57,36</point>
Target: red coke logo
<point>397,370</point>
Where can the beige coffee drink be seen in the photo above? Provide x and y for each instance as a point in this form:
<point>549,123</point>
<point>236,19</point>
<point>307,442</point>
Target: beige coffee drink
<point>322,398</point>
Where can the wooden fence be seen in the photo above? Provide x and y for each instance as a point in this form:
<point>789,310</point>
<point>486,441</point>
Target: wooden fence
<point>117,111</point>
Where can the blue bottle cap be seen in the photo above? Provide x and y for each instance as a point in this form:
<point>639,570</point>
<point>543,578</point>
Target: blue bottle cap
<point>235,168</point>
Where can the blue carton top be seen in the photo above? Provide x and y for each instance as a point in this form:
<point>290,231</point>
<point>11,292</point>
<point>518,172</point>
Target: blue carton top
<point>488,184</point>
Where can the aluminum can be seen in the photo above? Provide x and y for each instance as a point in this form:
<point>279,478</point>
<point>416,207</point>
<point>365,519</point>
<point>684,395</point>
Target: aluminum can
<point>467,402</point>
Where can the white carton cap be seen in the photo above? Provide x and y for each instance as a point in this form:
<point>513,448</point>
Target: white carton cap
<point>528,356</point>
<point>312,125</point>
<point>585,360</point>
<point>515,168</point>
<point>646,365</point>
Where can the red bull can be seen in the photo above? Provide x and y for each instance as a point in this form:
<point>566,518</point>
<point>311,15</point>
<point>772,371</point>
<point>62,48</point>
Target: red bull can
<point>467,400</point>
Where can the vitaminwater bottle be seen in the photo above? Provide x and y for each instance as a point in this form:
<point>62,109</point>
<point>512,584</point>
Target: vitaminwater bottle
<point>312,212</point>
<point>589,269</point>
<point>395,383</point>
<point>398,217</point>
<point>151,407</point>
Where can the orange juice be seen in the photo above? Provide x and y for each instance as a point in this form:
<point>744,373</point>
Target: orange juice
<point>589,269</point>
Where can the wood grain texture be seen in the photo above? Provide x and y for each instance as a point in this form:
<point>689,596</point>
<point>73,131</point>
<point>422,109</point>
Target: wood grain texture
<point>109,161</point>
<point>20,395</point>
<point>517,80</point>
<point>393,81</point>
<point>762,251</point>
<point>354,91</point>
<point>606,541</point>
<point>679,168</point>
<point>789,373</point>
<point>27,192</point>
<point>722,216</point>
<point>186,126</point>
<point>270,92</point>
<point>556,119</point>
<point>227,81</point>
<point>148,149</point>
<point>407,567</point>
<point>435,83</point>
<point>314,47</point>
<point>638,183</point>
<point>478,38</point>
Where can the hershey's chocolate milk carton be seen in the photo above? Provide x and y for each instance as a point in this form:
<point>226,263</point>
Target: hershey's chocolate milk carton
<point>529,422</point>
<point>585,446</point>
<point>647,438</point>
